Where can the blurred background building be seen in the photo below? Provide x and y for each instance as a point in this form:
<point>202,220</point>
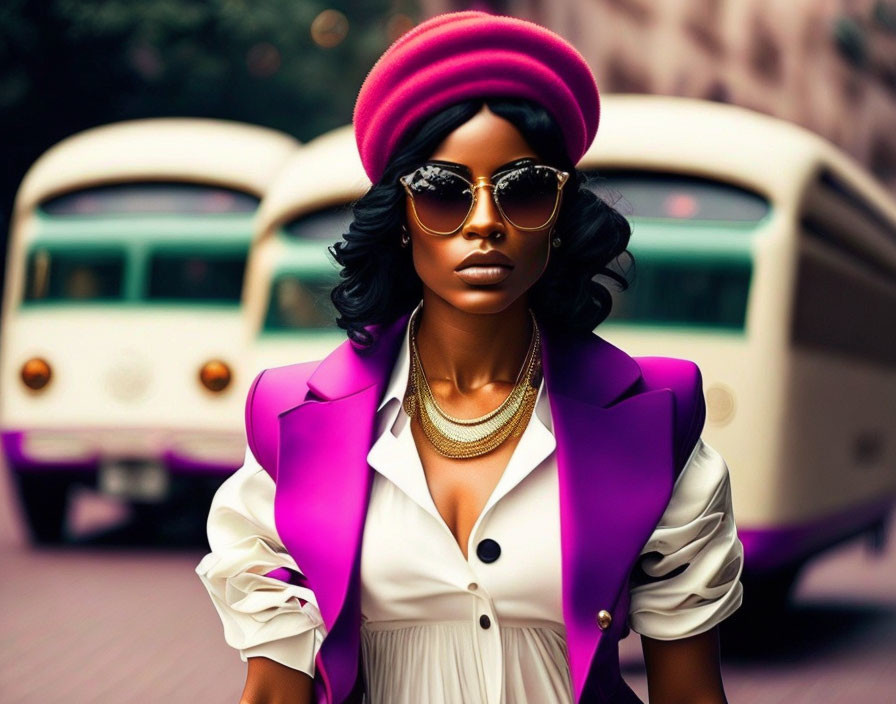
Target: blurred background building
<point>828,65</point>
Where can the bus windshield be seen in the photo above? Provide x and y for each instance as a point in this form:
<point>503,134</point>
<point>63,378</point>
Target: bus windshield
<point>87,273</point>
<point>645,194</point>
<point>326,224</point>
<point>685,292</point>
<point>196,276</point>
<point>74,275</point>
<point>156,198</point>
<point>301,301</point>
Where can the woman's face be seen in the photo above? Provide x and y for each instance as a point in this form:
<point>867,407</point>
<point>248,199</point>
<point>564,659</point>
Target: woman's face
<point>479,148</point>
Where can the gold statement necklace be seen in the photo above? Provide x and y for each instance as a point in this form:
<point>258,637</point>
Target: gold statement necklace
<point>461,438</point>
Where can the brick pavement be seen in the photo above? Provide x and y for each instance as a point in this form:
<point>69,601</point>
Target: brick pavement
<point>120,624</point>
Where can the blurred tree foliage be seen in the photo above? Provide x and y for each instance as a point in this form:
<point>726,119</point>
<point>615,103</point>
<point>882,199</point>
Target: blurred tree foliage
<point>66,65</point>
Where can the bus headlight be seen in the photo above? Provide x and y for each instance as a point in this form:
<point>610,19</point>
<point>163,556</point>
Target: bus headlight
<point>36,373</point>
<point>719,404</point>
<point>215,375</point>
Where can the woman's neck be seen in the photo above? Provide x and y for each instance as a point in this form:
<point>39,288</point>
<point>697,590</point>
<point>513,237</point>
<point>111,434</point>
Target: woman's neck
<point>470,350</point>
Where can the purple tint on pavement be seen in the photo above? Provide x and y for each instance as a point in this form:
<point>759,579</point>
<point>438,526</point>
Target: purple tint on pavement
<point>17,460</point>
<point>179,464</point>
<point>781,546</point>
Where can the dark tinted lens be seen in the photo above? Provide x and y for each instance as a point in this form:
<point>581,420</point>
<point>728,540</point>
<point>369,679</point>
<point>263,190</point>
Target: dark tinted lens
<point>441,199</point>
<point>527,196</point>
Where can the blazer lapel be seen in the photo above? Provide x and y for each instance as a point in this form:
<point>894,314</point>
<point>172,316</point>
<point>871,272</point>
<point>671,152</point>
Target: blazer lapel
<point>323,489</point>
<point>616,469</point>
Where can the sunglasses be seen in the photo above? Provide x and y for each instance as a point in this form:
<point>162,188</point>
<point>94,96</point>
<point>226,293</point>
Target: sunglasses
<point>528,197</point>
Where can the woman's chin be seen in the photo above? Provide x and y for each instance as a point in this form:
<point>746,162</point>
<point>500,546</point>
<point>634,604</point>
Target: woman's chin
<point>484,300</point>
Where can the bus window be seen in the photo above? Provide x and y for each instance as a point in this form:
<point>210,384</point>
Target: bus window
<point>845,294</point>
<point>666,196</point>
<point>699,293</point>
<point>68,275</point>
<point>301,302</point>
<point>839,311</point>
<point>142,198</point>
<point>325,224</point>
<point>196,276</point>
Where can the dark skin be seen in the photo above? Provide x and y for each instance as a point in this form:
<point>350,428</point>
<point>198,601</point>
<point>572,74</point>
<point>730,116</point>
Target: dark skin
<point>472,341</point>
<point>473,338</point>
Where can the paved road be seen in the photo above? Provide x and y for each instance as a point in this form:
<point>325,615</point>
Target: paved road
<point>103,621</point>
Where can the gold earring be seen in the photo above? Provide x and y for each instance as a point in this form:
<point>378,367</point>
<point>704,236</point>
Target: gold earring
<point>405,237</point>
<point>556,242</point>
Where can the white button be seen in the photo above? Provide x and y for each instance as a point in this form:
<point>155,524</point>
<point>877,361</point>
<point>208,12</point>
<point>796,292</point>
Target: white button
<point>472,586</point>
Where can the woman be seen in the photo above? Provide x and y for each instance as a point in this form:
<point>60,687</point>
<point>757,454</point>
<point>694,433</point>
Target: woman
<point>472,498</point>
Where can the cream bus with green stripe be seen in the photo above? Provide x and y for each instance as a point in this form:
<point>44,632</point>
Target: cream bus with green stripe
<point>121,352</point>
<point>767,256</point>
<point>291,273</point>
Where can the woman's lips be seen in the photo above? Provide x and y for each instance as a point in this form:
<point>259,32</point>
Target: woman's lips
<point>484,274</point>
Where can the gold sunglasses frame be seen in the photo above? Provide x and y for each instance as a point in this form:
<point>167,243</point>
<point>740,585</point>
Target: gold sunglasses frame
<point>485,182</point>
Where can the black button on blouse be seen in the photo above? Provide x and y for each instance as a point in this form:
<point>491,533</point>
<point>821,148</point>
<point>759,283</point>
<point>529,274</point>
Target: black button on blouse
<point>488,550</point>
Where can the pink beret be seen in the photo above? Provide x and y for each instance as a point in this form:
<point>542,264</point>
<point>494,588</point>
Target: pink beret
<point>461,55</point>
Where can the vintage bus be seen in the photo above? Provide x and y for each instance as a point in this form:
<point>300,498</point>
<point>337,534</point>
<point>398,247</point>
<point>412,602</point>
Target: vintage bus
<point>769,257</point>
<point>121,346</point>
<point>291,273</point>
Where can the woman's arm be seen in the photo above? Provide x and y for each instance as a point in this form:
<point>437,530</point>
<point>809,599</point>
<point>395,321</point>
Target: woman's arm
<point>687,582</point>
<point>269,682</point>
<point>272,620</point>
<point>684,671</point>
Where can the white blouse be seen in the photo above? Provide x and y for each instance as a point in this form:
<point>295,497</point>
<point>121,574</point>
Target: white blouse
<point>461,628</point>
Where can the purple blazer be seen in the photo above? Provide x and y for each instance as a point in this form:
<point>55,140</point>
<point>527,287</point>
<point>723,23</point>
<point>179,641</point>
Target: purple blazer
<point>624,428</point>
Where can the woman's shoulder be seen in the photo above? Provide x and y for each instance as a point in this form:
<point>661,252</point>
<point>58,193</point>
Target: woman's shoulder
<point>681,375</point>
<point>273,391</point>
<point>683,378</point>
<point>647,373</point>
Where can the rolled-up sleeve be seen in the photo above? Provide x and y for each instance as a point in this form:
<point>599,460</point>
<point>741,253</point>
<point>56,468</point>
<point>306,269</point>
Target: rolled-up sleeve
<point>262,616</point>
<point>687,579</point>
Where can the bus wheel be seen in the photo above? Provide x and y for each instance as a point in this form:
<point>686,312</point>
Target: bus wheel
<point>766,599</point>
<point>766,596</point>
<point>769,592</point>
<point>44,501</point>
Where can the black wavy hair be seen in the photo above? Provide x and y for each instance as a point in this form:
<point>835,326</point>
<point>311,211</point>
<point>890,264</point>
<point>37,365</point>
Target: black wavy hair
<point>378,280</point>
